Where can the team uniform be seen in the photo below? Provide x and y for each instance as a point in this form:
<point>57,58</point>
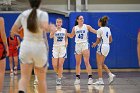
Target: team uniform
<point>81,44</point>
<point>2,50</point>
<point>81,39</point>
<point>12,44</point>
<point>59,44</point>
<point>103,47</point>
<point>33,48</point>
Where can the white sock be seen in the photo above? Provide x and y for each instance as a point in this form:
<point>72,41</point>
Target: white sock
<point>100,79</point>
<point>110,74</point>
<point>59,78</point>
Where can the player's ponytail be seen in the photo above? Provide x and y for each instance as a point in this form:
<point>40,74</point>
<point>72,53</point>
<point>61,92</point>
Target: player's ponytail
<point>32,21</point>
<point>76,23</point>
<point>104,20</point>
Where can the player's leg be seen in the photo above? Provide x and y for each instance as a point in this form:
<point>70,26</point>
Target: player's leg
<point>78,57</point>
<point>99,59</point>
<point>26,70</point>
<point>55,64</point>
<point>2,73</point>
<point>11,65</point>
<point>55,56</point>
<point>78,68</point>
<point>41,76</point>
<point>86,55</point>
<point>60,70</point>
<point>16,64</point>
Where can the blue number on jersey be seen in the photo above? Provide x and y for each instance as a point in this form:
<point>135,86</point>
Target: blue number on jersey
<point>80,36</point>
<point>59,39</point>
<point>107,34</point>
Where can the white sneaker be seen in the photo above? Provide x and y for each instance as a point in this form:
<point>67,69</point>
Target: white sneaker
<point>98,82</point>
<point>99,87</point>
<point>63,77</point>
<point>77,81</point>
<point>11,73</point>
<point>90,81</point>
<point>15,70</point>
<point>111,78</point>
<point>58,81</point>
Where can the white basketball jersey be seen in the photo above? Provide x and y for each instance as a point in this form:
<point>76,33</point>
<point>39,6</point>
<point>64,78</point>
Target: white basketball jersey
<point>29,36</point>
<point>81,34</point>
<point>104,33</point>
<point>59,37</point>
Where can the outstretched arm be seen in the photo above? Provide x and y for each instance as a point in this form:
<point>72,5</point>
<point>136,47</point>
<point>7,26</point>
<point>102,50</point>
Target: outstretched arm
<point>98,38</point>
<point>91,29</point>
<point>72,34</point>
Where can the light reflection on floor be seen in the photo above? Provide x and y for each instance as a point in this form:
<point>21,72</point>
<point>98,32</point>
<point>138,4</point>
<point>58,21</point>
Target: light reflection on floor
<point>127,82</point>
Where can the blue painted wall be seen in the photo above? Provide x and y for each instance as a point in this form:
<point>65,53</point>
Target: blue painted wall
<point>124,28</point>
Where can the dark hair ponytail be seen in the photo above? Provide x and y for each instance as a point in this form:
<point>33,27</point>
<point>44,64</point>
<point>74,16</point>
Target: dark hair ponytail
<point>32,23</point>
<point>104,20</point>
<point>76,23</point>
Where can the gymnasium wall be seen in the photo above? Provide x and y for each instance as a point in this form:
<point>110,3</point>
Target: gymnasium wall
<point>124,27</point>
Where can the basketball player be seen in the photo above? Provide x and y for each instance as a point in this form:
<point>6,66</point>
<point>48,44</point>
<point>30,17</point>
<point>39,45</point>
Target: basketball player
<point>3,52</point>
<point>104,38</point>
<point>33,52</point>
<point>59,49</point>
<point>82,47</point>
<point>14,44</point>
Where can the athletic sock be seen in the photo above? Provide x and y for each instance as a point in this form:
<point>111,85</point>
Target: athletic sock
<point>89,76</point>
<point>21,91</point>
<point>100,79</point>
<point>78,76</point>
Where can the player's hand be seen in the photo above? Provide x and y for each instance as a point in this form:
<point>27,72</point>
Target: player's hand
<point>94,45</point>
<point>53,28</point>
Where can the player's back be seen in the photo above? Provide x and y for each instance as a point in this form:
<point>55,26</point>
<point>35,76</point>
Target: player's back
<point>105,33</point>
